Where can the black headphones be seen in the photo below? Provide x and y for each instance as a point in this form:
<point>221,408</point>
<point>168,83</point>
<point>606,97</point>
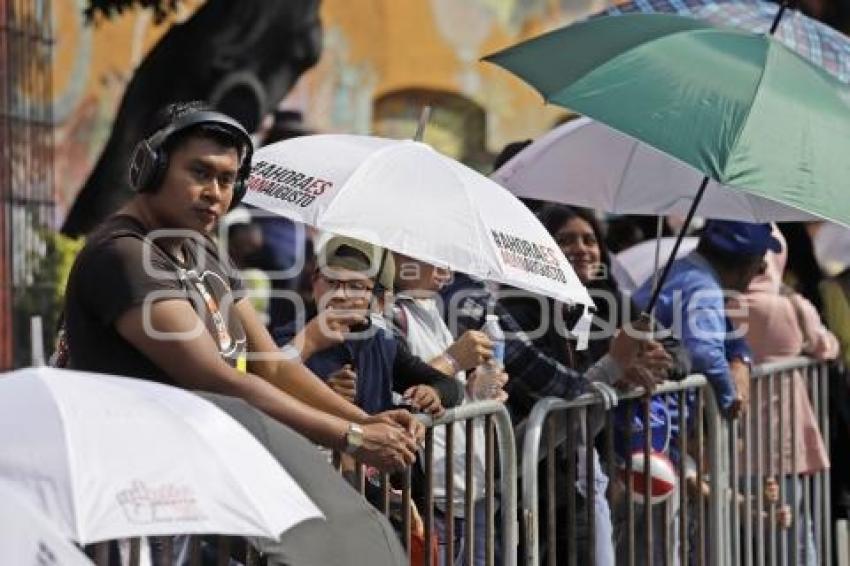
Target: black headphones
<point>150,160</point>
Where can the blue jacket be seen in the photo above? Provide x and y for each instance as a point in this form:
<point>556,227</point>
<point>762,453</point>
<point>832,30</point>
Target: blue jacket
<point>691,304</point>
<point>372,359</point>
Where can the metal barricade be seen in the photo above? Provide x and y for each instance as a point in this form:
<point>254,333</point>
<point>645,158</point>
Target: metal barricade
<point>497,434</point>
<point>777,483</point>
<point>193,550</point>
<point>496,420</point>
<point>730,518</point>
<point>749,476</point>
<point>542,425</point>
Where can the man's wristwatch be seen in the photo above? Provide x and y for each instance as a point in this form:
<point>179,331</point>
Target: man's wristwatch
<point>353,438</point>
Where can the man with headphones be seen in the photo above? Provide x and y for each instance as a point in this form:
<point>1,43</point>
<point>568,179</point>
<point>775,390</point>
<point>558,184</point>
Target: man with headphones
<point>151,296</point>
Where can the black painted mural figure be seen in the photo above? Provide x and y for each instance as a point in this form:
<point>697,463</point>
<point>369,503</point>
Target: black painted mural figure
<point>243,57</point>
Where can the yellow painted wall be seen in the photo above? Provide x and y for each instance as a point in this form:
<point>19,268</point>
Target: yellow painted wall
<point>372,47</point>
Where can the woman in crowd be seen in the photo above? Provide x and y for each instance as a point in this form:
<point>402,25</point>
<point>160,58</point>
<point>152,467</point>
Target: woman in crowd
<point>578,235</point>
<point>420,325</point>
<point>781,324</point>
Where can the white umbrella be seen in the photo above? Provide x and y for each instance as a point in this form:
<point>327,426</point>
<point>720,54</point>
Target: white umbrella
<point>831,244</point>
<point>28,538</point>
<point>407,197</point>
<point>586,163</point>
<point>638,261</point>
<point>108,458</point>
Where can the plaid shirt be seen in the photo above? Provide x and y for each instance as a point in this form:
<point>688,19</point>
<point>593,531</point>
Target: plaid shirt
<point>533,374</point>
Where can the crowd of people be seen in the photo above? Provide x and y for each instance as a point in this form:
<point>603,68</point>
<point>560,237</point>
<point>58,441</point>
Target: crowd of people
<point>342,341</point>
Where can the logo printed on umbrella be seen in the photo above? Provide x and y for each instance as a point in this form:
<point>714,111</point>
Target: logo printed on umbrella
<point>529,256</point>
<point>145,504</point>
<point>286,184</point>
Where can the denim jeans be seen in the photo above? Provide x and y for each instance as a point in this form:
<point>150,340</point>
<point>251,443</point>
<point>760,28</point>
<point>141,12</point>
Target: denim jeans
<point>479,539</point>
<point>802,527</point>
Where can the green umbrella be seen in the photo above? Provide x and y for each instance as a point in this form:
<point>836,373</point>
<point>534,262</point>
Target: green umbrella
<point>737,106</point>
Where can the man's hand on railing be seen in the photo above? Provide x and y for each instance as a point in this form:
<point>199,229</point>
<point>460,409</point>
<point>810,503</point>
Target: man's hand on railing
<point>403,419</point>
<point>741,378</point>
<point>637,376</point>
<point>387,447</point>
<point>624,348</point>
<point>654,358</point>
<point>425,399</point>
<point>629,345</point>
<point>644,362</point>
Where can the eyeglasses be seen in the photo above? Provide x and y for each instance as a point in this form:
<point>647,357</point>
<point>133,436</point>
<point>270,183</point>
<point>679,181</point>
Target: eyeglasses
<point>350,287</point>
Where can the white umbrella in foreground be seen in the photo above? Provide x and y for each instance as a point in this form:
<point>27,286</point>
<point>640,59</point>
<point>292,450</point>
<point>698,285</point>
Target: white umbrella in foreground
<point>28,538</point>
<point>107,458</point>
<point>407,197</point>
<point>586,163</point>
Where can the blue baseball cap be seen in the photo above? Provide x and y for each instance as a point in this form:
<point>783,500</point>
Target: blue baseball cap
<point>740,238</point>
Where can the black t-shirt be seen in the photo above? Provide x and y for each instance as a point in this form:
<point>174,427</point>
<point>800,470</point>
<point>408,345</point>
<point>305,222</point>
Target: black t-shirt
<point>121,267</point>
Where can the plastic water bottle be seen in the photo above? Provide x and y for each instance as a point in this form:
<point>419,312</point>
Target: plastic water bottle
<point>486,375</point>
<point>497,337</point>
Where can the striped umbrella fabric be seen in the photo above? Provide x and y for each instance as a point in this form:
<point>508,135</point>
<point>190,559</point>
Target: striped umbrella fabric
<point>817,42</point>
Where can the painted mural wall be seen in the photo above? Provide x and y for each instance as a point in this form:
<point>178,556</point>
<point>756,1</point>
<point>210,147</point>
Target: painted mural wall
<point>382,59</point>
<point>92,66</point>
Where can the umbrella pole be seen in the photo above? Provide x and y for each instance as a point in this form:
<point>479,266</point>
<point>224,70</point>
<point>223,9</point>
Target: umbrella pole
<point>660,283</point>
<point>36,341</point>
<point>785,4</point>
<point>379,290</point>
<point>659,228</point>
<point>424,116</point>
<point>381,265</point>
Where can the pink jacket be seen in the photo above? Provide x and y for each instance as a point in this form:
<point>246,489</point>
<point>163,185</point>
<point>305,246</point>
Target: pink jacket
<point>782,324</point>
